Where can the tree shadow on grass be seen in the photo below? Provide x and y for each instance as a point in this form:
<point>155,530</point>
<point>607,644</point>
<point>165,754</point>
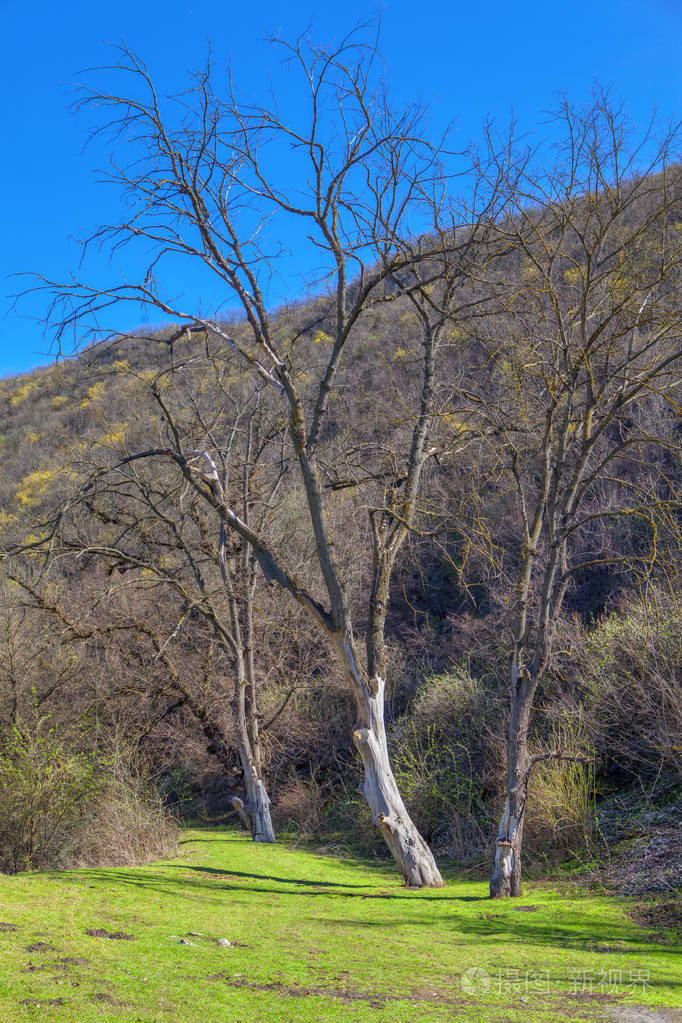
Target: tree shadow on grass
<point>319,887</point>
<point>307,887</point>
<point>192,841</point>
<point>219,872</point>
<point>608,939</point>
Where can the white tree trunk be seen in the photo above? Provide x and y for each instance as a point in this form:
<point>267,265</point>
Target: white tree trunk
<point>379,788</point>
<point>254,811</point>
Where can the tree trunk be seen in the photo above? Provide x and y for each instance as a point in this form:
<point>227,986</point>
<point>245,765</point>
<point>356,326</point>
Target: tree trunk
<point>254,811</point>
<point>506,875</point>
<point>258,801</point>
<point>408,848</point>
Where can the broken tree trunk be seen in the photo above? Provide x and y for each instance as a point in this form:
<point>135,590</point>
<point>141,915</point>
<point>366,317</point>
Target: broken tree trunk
<point>254,811</point>
<point>408,848</point>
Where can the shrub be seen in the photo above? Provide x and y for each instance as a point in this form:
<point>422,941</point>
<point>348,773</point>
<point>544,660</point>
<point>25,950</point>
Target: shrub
<point>561,806</point>
<point>631,682</point>
<point>300,804</point>
<point>348,820</point>
<point>62,806</point>
<point>442,792</point>
<point>127,822</point>
<point>443,758</point>
<point>45,791</point>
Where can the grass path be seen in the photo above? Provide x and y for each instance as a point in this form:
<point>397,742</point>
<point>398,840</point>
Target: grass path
<point>315,938</point>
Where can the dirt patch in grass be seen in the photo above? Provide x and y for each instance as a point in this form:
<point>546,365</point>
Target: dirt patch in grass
<point>419,996</point>
<point>663,915</point>
<point>101,998</point>
<point>100,932</point>
<point>347,995</point>
<point>591,996</point>
<point>640,1014</point>
<point>42,1002</point>
<point>8,928</point>
<point>57,964</point>
<point>618,1013</point>
<point>41,946</point>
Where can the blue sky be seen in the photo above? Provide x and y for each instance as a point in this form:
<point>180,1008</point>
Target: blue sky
<point>468,60</point>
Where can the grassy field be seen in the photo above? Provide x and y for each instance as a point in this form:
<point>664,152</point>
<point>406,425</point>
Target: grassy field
<point>313,938</point>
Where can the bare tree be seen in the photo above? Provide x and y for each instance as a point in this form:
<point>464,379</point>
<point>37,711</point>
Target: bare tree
<point>584,359</point>
<point>359,181</point>
<point>149,521</point>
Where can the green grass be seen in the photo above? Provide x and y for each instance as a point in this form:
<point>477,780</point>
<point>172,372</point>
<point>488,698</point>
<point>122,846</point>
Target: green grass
<point>319,939</point>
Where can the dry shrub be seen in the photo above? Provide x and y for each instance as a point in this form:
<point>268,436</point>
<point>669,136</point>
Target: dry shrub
<point>560,815</point>
<point>631,668</point>
<point>339,815</point>
<point>452,702</point>
<point>300,805</point>
<point>128,822</point>
<point>63,806</point>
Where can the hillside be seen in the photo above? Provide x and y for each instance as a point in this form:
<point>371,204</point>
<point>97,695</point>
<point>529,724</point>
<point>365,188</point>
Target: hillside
<point>389,565</point>
<point>446,710</point>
